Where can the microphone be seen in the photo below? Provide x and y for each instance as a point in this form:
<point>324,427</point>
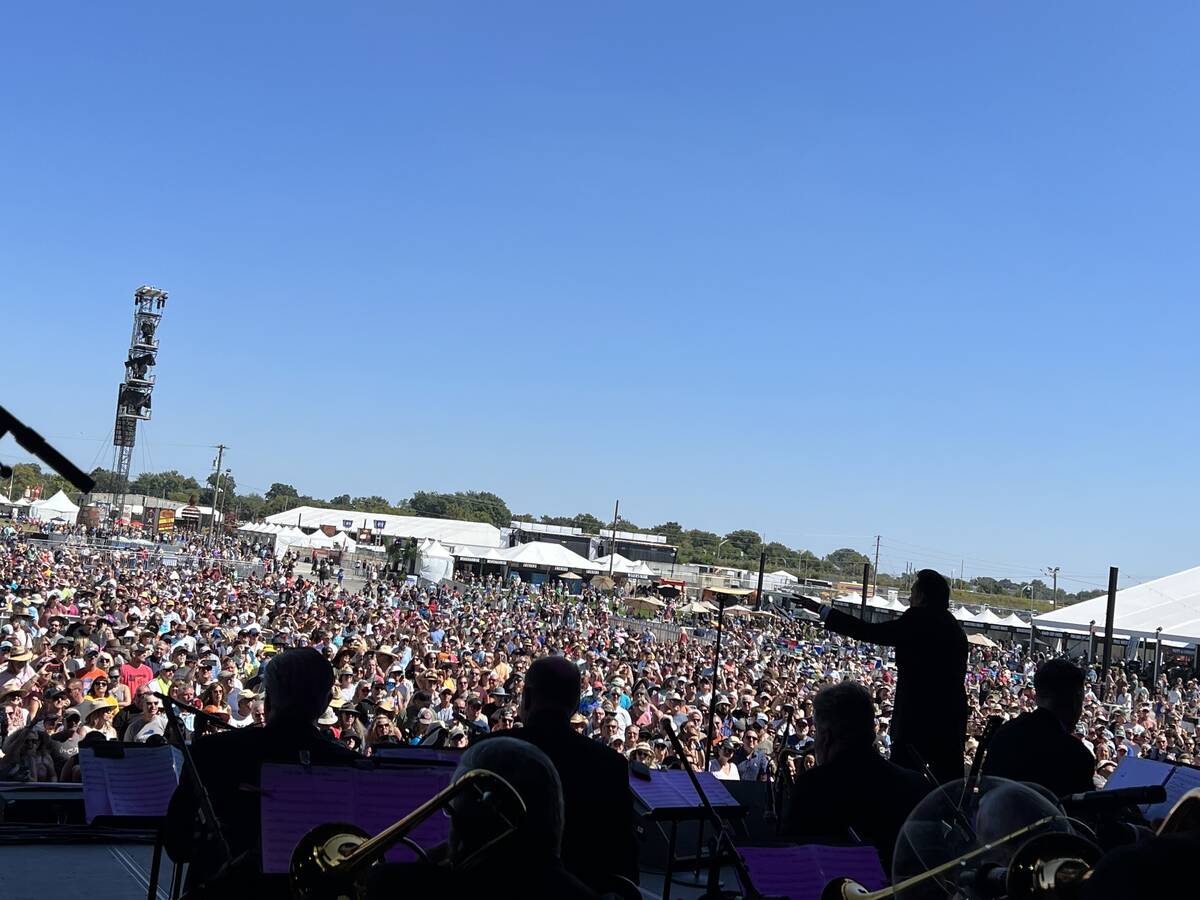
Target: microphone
<point>1119,798</point>
<point>192,711</point>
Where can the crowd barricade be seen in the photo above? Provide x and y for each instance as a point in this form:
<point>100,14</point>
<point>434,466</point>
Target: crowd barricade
<point>159,556</point>
<point>664,632</point>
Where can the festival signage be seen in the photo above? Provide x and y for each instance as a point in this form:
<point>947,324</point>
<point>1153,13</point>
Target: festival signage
<point>166,520</point>
<point>347,524</point>
<point>380,524</point>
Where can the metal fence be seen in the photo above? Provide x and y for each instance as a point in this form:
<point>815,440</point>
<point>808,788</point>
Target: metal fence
<point>159,556</point>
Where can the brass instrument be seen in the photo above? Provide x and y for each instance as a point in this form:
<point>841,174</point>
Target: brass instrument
<point>1022,878</point>
<point>330,861</point>
<point>1046,865</point>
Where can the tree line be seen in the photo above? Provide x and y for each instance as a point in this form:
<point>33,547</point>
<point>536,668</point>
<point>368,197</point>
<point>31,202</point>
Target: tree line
<point>740,548</point>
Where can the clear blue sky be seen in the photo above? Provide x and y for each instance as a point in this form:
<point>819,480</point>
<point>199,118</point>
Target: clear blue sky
<point>825,271</point>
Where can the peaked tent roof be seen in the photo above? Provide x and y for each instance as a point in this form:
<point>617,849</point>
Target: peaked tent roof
<point>988,617</point>
<point>1014,621</point>
<point>542,554</point>
<point>1171,603</point>
<point>60,502</point>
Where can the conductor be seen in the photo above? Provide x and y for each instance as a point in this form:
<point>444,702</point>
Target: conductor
<point>929,718</point>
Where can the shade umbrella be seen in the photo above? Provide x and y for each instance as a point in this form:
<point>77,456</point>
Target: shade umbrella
<point>645,603</point>
<point>571,576</point>
<point>738,610</point>
<point>980,640</point>
<point>603,582</point>
<point>696,608</point>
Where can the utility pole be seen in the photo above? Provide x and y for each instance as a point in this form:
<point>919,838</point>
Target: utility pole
<point>212,522</point>
<point>612,547</point>
<point>1053,572</point>
<point>875,576</point>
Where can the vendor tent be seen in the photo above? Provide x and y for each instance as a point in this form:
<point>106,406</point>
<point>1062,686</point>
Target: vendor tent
<point>1171,603</point>
<point>57,507</point>
<point>620,565</point>
<point>1012,620</point>
<point>965,616</point>
<point>987,617</point>
<point>436,563</point>
<point>544,556</point>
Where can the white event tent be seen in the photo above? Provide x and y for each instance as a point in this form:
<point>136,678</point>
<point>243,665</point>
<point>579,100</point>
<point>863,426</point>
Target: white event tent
<point>57,507</point>
<point>437,563</point>
<point>446,531</point>
<point>1171,603</point>
<point>544,555</point>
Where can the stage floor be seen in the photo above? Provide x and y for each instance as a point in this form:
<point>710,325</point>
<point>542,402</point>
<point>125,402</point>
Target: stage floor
<point>95,871</point>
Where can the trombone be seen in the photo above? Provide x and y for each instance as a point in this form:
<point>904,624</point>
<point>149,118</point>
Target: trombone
<point>330,861</point>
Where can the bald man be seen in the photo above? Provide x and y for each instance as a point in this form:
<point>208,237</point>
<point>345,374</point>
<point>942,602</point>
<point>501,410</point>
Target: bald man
<point>598,840</point>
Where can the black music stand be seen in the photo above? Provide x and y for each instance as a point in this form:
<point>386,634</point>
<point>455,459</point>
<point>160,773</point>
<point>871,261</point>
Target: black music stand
<point>668,798</point>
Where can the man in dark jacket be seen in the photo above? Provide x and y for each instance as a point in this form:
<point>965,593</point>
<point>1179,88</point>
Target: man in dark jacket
<point>929,716</point>
<point>597,841</point>
<point>1038,746</point>
<point>853,794</point>
<point>229,763</point>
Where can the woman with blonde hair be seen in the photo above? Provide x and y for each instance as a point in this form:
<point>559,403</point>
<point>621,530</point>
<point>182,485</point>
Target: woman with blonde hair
<point>97,715</point>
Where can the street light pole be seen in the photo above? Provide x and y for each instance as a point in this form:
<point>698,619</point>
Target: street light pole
<point>720,544</point>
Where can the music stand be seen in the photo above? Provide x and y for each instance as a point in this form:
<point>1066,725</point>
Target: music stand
<point>669,797</point>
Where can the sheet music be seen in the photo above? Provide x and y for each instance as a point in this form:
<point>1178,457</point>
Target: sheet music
<point>296,800</point>
<point>1182,780</point>
<point>801,873</point>
<point>674,790</point>
<point>140,782</point>
<point>1133,771</point>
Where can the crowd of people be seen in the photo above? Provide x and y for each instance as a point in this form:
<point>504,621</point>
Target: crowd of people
<point>91,637</point>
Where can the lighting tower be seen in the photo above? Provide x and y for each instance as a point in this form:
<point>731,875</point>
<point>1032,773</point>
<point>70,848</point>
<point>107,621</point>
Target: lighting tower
<point>133,396</point>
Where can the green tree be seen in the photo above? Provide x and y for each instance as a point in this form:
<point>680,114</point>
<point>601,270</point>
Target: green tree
<point>106,480</point>
<point>846,562</point>
<point>748,543</point>
<point>341,501</point>
<point>279,489</point>
<point>170,485</point>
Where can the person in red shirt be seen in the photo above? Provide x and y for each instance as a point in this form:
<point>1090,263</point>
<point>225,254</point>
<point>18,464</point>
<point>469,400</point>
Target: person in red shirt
<point>136,673</point>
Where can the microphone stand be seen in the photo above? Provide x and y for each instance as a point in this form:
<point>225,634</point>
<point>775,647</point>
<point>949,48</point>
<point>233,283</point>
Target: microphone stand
<point>777,789</point>
<point>207,814</point>
<point>721,840</point>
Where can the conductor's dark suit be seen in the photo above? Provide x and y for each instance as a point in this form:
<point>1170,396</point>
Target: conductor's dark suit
<point>1035,747</point>
<point>229,764</point>
<point>929,714</point>
<point>860,791</point>
<point>598,837</point>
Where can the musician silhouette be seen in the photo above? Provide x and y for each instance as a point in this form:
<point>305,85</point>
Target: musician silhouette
<point>598,841</point>
<point>534,847</point>
<point>929,716</point>
<point>229,764</point>
<point>853,793</point>
<point>1038,746</point>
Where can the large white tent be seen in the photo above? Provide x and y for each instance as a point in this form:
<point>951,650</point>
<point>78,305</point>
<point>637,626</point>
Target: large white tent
<point>544,555</point>
<point>446,531</point>
<point>1171,603</point>
<point>57,507</point>
<point>986,617</point>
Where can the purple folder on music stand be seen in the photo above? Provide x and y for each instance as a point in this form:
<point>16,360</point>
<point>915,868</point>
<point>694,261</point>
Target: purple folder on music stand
<point>801,873</point>
<point>296,799</point>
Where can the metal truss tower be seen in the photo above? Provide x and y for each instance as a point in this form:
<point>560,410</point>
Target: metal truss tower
<point>133,396</point>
